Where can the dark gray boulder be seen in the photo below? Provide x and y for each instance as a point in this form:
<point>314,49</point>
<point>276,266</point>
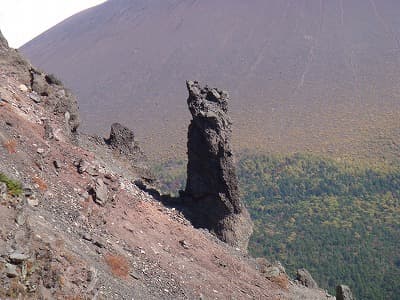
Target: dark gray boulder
<point>212,189</point>
<point>122,139</point>
<point>343,292</point>
<point>305,278</point>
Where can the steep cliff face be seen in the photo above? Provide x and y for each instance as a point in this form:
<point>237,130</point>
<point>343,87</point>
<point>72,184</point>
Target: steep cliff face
<point>212,184</point>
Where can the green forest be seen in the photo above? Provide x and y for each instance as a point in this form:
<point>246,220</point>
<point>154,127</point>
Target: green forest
<point>339,219</point>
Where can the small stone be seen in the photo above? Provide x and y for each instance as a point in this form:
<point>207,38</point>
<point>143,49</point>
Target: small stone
<point>23,88</point>
<point>134,275</point>
<point>99,243</point>
<point>35,97</point>
<point>48,130</point>
<point>57,164</point>
<point>92,171</point>
<point>58,135</point>
<point>11,270</point>
<point>100,193</point>
<point>184,244</point>
<point>28,192</point>
<point>20,219</point>
<point>33,202</point>
<point>87,237</point>
<point>18,257</point>
<point>83,165</point>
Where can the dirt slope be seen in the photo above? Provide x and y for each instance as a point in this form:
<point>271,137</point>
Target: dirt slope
<point>303,75</point>
<point>58,243</point>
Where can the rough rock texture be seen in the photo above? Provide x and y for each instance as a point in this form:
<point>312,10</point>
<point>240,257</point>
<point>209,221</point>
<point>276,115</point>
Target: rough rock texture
<point>122,139</point>
<point>343,292</point>
<point>3,42</point>
<point>305,278</point>
<point>43,89</point>
<point>212,184</point>
<point>57,243</point>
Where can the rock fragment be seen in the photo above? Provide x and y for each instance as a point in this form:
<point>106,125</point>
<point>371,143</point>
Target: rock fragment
<point>20,219</point>
<point>11,270</point>
<point>39,84</point>
<point>83,165</point>
<point>48,130</point>
<point>343,292</point>
<point>122,139</point>
<point>270,270</point>
<point>100,192</point>
<point>18,257</point>
<point>57,164</point>
<point>305,278</point>
<point>35,97</point>
<point>23,88</point>
<point>184,244</point>
<point>32,201</point>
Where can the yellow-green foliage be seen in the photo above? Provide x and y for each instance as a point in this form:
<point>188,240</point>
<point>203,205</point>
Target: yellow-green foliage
<point>339,219</point>
<point>14,187</point>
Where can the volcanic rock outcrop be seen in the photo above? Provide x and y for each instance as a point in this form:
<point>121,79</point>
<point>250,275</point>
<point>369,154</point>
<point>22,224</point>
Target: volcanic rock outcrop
<point>122,139</point>
<point>44,89</point>
<point>212,189</point>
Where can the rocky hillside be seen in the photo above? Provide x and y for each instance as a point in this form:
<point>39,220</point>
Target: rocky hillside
<point>303,75</point>
<point>74,225</point>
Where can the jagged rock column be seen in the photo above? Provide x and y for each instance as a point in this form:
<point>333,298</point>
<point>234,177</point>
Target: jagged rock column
<point>212,190</point>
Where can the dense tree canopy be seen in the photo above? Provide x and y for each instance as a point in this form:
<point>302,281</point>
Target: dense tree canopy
<point>340,220</point>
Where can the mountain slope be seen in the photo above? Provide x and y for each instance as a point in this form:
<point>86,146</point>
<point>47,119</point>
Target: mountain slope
<point>73,225</point>
<point>304,75</point>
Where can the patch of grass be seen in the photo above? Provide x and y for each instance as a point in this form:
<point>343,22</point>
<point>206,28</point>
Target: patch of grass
<point>118,265</point>
<point>14,187</point>
<point>40,183</point>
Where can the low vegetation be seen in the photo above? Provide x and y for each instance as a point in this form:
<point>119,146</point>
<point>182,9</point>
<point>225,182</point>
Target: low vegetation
<point>14,187</point>
<point>340,220</point>
<point>118,264</point>
<point>11,146</point>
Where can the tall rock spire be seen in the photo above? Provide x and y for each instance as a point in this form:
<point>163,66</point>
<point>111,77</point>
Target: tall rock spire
<point>212,188</point>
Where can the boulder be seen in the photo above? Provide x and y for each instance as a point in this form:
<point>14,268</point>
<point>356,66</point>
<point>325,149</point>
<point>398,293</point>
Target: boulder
<point>18,258</point>
<point>100,192</point>
<point>212,190</point>
<point>39,83</point>
<point>305,278</point>
<point>343,292</point>
<point>122,139</point>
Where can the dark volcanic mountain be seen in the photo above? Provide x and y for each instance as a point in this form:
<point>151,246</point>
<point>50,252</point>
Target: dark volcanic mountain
<point>304,74</point>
